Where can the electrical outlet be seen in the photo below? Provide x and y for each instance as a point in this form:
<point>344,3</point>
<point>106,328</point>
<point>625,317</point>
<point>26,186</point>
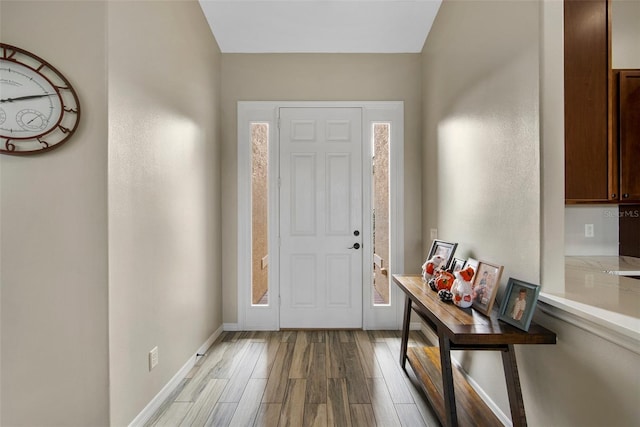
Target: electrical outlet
<point>588,230</point>
<point>153,358</point>
<point>434,233</point>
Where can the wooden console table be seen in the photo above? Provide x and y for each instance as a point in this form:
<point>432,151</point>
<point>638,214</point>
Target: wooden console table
<point>461,329</point>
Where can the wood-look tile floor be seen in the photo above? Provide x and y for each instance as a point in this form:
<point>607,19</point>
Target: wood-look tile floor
<point>300,378</point>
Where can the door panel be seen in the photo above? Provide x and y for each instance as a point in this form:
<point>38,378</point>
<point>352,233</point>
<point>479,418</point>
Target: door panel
<point>338,194</point>
<point>303,273</point>
<point>320,208</point>
<point>303,197</point>
<point>338,286</point>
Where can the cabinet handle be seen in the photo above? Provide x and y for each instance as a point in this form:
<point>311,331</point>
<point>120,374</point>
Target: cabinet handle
<point>614,195</point>
<point>625,195</point>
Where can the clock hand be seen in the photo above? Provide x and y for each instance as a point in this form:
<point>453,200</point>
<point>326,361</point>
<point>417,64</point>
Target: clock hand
<point>29,122</point>
<point>20,98</point>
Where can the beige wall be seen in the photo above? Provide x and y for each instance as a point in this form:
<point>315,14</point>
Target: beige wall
<point>318,77</point>
<point>481,144</point>
<point>54,235</point>
<point>481,134</point>
<point>164,195</point>
<point>583,380</point>
<point>625,33</point>
<point>484,98</point>
<point>111,243</point>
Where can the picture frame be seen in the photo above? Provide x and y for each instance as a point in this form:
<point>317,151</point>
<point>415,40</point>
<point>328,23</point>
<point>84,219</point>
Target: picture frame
<point>457,264</point>
<point>519,303</point>
<point>473,263</point>
<point>444,249</point>
<point>486,282</point>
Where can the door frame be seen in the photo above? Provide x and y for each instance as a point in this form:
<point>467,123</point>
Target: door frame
<point>251,317</point>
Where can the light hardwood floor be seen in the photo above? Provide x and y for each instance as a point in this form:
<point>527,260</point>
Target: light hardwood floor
<point>300,378</point>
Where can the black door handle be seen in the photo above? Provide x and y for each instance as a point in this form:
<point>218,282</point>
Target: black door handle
<point>355,246</point>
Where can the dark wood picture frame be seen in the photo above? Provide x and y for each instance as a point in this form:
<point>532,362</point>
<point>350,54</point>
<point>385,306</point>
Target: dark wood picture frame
<point>473,263</point>
<point>486,282</point>
<point>457,264</point>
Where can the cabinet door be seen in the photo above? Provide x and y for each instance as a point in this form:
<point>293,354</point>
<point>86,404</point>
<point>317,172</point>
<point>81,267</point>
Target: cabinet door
<point>629,234</point>
<point>629,135</point>
<point>586,80</point>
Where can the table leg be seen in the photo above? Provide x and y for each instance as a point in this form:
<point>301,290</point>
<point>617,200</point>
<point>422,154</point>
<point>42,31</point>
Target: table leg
<point>447,382</point>
<point>405,332</point>
<point>513,387</point>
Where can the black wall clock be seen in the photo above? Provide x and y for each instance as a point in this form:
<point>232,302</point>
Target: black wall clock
<point>39,109</point>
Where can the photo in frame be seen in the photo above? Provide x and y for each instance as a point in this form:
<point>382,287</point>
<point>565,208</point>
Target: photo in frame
<point>519,303</point>
<point>445,250</point>
<point>457,264</point>
<point>485,286</point>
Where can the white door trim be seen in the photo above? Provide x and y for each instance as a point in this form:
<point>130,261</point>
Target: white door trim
<point>251,317</point>
<point>267,317</point>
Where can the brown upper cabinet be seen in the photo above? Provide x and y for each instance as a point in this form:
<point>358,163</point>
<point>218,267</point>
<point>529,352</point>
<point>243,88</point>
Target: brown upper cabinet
<point>601,135</point>
<point>629,133</point>
<point>586,65</point>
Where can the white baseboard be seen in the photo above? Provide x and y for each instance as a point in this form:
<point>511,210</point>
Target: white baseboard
<point>415,326</point>
<point>504,418</point>
<point>157,401</point>
<point>429,334</point>
<point>230,327</point>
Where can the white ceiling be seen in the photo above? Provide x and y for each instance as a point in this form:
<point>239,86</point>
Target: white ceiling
<point>320,26</point>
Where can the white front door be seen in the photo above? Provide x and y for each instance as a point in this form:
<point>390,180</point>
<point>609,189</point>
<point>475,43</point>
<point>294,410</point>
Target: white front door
<point>320,217</point>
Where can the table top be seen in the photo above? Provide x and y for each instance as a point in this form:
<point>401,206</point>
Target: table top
<point>467,326</point>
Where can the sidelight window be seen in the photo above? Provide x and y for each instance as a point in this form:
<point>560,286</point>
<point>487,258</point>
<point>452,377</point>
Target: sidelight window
<point>259,214</point>
<point>380,215</point>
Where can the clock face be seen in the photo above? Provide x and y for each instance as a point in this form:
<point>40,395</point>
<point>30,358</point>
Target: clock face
<point>39,109</point>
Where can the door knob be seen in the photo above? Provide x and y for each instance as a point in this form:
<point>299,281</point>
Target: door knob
<point>356,233</point>
<point>355,246</point>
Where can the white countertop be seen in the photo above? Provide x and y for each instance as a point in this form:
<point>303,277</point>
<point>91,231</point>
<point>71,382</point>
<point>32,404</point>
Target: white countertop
<point>608,300</point>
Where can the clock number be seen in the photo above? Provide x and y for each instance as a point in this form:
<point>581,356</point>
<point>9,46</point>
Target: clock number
<point>8,53</point>
<point>70,110</point>
<point>45,144</point>
<point>64,129</point>
<point>9,146</point>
